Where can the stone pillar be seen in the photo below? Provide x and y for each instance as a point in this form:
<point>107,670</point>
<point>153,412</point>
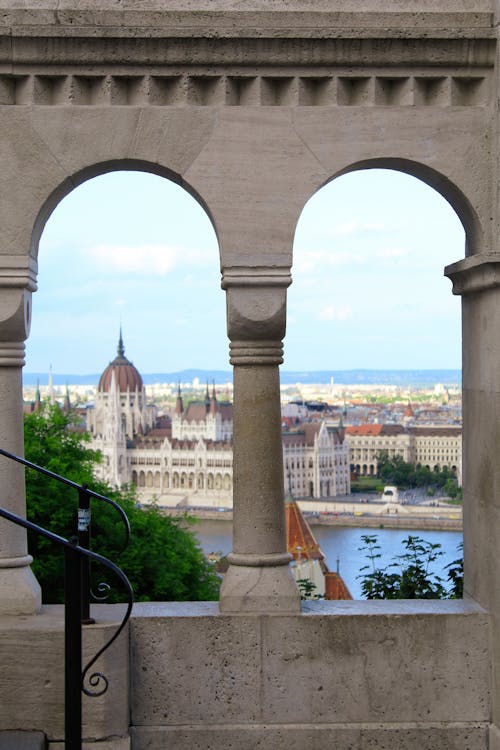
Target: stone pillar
<point>19,590</point>
<point>259,578</point>
<point>477,280</point>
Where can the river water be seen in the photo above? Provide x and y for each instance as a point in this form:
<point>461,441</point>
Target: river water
<point>343,543</point>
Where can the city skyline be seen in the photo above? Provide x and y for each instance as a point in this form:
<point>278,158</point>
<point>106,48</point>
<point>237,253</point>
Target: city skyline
<point>368,289</point>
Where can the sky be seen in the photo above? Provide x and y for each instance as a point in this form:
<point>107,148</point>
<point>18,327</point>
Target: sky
<point>134,249</point>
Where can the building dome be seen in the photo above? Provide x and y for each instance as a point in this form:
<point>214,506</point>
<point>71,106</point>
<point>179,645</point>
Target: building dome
<point>127,377</point>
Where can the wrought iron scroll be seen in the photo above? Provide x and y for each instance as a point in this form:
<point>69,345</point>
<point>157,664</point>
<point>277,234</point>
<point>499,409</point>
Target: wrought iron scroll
<point>75,677</point>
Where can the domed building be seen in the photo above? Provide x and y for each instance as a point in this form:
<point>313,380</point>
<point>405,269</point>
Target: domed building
<point>119,415</point>
<point>186,457</point>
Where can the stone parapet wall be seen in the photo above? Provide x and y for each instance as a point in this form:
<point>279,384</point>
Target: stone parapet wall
<point>343,674</point>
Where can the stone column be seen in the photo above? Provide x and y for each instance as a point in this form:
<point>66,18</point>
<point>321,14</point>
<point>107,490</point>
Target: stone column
<point>477,280</point>
<point>259,578</point>
<point>19,590</point>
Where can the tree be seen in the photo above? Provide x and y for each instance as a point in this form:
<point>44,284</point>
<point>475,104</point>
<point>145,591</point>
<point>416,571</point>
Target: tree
<point>163,560</point>
<point>408,576</point>
<point>394,470</point>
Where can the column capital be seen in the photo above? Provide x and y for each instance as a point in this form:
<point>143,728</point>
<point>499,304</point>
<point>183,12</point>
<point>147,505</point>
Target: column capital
<point>15,321</point>
<point>256,313</point>
<point>256,276</point>
<point>476,273</point>
<point>18,271</point>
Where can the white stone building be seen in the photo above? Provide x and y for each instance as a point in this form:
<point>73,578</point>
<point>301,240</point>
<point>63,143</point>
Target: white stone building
<point>434,446</point>
<point>189,459</point>
<point>316,461</point>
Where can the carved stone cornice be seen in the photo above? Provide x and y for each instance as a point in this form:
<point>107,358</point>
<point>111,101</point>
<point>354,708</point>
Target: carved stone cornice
<point>474,274</point>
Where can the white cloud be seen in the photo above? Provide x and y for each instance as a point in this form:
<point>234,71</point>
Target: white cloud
<point>305,261</point>
<point>330,312</point>
<point>355,227</point>
<point>144,259</point>
<point>392,252</point>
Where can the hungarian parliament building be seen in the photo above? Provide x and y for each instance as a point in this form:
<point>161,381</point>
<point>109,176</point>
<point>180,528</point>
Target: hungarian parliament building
<point>186,458</point>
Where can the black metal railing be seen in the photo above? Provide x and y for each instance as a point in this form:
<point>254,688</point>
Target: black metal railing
<point>76,679</point>
<point>82,529</point>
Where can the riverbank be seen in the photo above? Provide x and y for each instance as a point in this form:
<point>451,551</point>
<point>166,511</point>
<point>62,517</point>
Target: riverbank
<point>411,522</point>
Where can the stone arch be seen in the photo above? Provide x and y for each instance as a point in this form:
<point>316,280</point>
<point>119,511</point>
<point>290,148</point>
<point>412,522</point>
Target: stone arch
<point>142,479</point>
<point>66,186</point>
<point>149,479</point>
<point>454,194</point>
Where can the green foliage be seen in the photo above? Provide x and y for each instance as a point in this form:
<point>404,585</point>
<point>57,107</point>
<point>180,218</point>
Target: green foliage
<point>394,470</point>
<point>163,560</point>
<point>456,576</point>
<point>408,576</point>
<point>365,484</point>
<point>307,589</point>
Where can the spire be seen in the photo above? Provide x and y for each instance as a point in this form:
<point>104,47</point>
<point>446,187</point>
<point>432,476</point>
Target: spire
<point>207,399</point>
<point>213,400</point>
<point>121,349</point>
<point>67,402</point>
<point>179,406</point>
<point>51,387</point>
<point>38,398</point>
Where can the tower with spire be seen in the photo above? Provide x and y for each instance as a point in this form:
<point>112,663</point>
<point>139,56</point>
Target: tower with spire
<point>120,412</point>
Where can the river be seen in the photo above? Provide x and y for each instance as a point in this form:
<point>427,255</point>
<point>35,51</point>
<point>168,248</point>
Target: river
<point>343,543</point>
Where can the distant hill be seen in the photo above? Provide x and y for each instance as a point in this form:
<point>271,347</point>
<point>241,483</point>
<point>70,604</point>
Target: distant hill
<point>342,377</point>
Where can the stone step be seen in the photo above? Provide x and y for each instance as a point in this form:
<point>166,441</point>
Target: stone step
<point>19,740</point>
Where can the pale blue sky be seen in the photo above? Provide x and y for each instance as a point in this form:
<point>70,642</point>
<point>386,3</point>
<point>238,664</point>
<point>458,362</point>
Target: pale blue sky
<point>368,285</point>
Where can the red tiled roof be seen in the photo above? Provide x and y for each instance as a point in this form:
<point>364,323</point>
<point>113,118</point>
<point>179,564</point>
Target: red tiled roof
<point>299,534</point>
<point>364,429</point>
<point>335,587</point>
<point>196,411</point>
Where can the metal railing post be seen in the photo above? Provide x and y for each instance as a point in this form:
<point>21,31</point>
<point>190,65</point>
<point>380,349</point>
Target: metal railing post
<point>75,678</point>
<point>84,519</point>
<point>72,649</point>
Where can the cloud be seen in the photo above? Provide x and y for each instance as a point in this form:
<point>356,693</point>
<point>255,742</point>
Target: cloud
<point>355,227</point>
<point>306,261</point>
<point>330,312</point>
<point>392,252</point>
<point>158,260</point>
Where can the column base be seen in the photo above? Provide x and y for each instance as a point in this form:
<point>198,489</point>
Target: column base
<point>20,592</point>
<point>259,590</point>
<point>494,738</point>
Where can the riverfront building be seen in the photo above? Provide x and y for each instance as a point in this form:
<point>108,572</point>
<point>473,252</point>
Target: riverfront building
<point>188,459</point>
<point>434,446</point>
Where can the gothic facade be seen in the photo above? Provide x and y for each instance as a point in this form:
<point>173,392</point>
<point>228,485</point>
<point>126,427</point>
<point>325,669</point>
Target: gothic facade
<point>188,459</point>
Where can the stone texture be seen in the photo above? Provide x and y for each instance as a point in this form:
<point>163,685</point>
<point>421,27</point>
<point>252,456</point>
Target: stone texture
<point>32,684</point>
<point>16,740</point>
<point>336,662</point>
<point>253,106</point>
<point>321,737</point>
